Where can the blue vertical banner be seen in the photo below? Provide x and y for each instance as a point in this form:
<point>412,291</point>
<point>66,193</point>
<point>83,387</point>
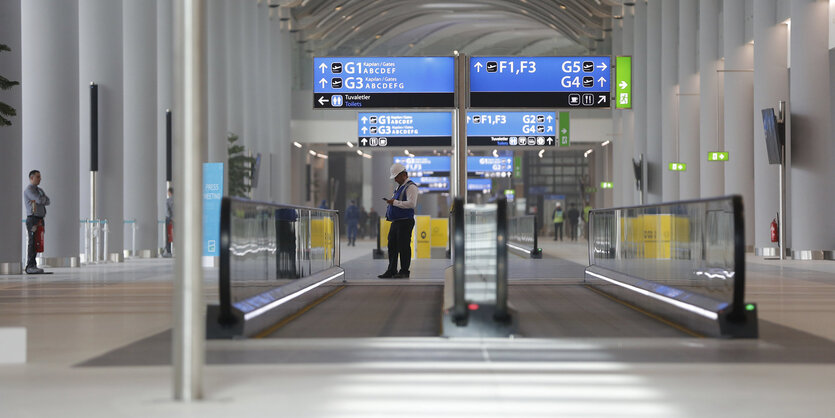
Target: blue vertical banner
<point>212,195</point>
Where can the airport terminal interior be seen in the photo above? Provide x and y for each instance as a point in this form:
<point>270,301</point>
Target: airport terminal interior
<point>623,208</point>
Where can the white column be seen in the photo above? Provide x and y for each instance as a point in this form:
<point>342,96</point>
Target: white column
<point>165,98</point>
<point>234,67</point>
<point>812,149</point>
<point>280,83</point>
<point>711,131</point>
<point>639,92</point>
<point>10,141</point>
<point>100,61</point>
<point>739,106</point>
<point>49,111</point>
<point>140,77</point>
<point>262,100</point>
<point>771,84</point>
<point>625,183</point>
<point>669,99</point>
<point>654,156</point>
<point>688,99</point>
<point>249,84</point>
<point>217,57</point>
<point>613,195</point>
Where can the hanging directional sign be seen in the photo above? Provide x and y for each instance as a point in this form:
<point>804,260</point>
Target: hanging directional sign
<point>512,128</point>
<point>431,184</point>
<point>479,185</point>
<point>431,129</point>
<point>564,130</point>
<point>623,82</point>
<point>678,167</point>
<point>490,166</point>
<point>718,156</point>
<point>379,82</point>
<point>432,166</point>
<point>537,82</point>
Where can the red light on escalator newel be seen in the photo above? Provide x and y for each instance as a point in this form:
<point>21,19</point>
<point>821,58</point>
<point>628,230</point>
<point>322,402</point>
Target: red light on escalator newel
<point>473,306</point>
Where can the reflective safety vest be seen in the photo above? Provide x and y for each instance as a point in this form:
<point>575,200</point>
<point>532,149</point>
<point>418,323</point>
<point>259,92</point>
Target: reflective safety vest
<point>394,213</point>
<point>558,216</point>
<point>586,211</point>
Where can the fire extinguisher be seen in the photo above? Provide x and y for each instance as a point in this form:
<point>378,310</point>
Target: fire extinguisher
<point>775,230</point>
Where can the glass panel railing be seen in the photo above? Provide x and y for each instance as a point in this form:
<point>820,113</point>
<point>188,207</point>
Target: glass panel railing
<point>691,251</point>
<point>480,253</point>
<point>522,235</point>
<point>270,250</point>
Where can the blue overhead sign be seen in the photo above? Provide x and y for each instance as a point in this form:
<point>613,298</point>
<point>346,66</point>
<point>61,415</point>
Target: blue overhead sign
<point>490,166</point>
<point>425,166</point>
<point>379,129</point>
<point>537,82</point>
<point>432,184</point>
<point>479,185</point>
<point>512,128</point>
<point>383,82</point>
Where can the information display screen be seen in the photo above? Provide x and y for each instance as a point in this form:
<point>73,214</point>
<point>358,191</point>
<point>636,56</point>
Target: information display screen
<point>540,82</point>
<point>516,129</point>
<point>383,82</point>
<point>419,129</point>
<point>490,166</point>
<point>479,185</point>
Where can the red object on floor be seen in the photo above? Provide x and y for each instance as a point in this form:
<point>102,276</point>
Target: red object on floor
<point>39,233</point>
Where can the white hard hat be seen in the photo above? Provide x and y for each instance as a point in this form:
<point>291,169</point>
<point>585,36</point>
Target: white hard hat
<point>396,169</point>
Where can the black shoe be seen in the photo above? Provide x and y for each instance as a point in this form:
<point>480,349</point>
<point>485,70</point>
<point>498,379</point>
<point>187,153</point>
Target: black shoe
<point>386,275</point>
<point>401,275</point>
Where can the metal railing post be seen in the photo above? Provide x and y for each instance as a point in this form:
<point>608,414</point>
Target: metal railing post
<point>459,313</point>
<point>501,261</point>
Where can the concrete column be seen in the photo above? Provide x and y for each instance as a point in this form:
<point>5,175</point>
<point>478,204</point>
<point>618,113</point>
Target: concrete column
<point>812,148</point>
<point>140,77</point>
<point>711,127</point>
<point>261,91</point>
<point>625,185</point>
<point>217,56</point>
<point>771,84</point>
<point>10,142</point>
<point>381,184</point>
<point>688,99</point>
<point>639,92</point>
<point>367,188</point>
<point>281,80</point>
<point>617,121</point>
<point>250,134</point>
<point>669,100</point>
<point>49,111</point>
<point>739,106</point>
<point>165,98</point>
<point>100,61</point>
<point>654,156</point>
<point>234,67</point>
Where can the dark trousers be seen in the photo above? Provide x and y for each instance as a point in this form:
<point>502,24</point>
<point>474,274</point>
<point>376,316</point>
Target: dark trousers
<point>572,230</point>
<point>32,223</point>
<point>557,230</point>
<point>400,236</point>
<point>352,233</point>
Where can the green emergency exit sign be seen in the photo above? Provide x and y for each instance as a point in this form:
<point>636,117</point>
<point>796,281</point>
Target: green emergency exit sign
<point>623,82</point>
<point>717,156</point>
<point>564,132</point>
<point>678,167</point>
<point>606,185</point>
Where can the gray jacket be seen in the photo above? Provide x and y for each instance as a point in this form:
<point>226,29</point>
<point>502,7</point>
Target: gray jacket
<point>35,201</point>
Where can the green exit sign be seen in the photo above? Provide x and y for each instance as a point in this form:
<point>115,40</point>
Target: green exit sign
<point>678,167</point>
<point>623,82</point>
<point>717,156</point>
<point>606,185</point>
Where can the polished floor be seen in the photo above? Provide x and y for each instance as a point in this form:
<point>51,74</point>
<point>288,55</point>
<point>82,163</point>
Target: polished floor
<point>93,330</point>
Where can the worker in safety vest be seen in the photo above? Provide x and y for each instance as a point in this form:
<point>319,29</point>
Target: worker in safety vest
<point>558,218</point>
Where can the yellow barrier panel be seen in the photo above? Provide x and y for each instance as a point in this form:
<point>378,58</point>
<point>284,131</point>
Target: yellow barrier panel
<point>657,234</point>
<point>321,235</point>
<point>421,237</point>
<point>440,232</point>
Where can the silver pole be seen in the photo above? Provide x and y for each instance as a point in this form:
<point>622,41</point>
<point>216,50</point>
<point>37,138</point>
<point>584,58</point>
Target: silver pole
<point>189,141</point>
<point>459,184</point>
<point>781,109</point>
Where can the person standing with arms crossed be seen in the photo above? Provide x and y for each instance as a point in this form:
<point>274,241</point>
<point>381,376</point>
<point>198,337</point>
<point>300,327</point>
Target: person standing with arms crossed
<point>401,214</point>
<point>36,202</point>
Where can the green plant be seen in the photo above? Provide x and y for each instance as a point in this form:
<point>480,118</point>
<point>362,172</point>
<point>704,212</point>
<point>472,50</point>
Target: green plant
<point>240,168</point>
<point>5,84</point>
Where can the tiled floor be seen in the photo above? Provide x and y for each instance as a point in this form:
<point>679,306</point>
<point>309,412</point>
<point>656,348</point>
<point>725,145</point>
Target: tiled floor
<point>77,315</point>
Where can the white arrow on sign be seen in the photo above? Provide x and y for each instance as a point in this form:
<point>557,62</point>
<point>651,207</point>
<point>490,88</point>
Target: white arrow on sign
<point>550,129</point>
<point>602,66</point>
<point>364,141</point>
<point>550,140</point>
<point>323,100</point>
<point>364,129</point>
<point>601,99</point>
<point>601,80</point>
<point>364,119</point>
<point>550,118</point>
<point>323,67</point>
<point>477,67</point>
<point>564,130</point>
<point>468,119</point>
<point>623,85</point>
<point>323,82</point>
